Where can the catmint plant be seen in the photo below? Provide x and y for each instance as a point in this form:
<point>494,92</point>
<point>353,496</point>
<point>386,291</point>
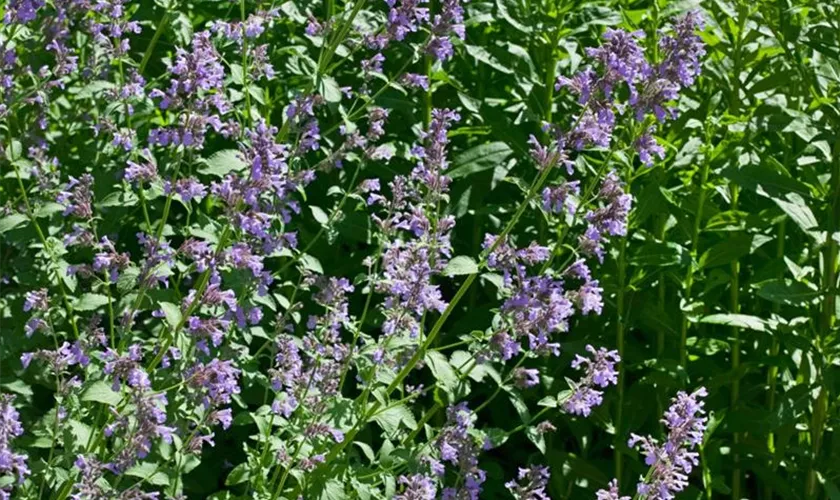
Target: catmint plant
<point>304,250</point>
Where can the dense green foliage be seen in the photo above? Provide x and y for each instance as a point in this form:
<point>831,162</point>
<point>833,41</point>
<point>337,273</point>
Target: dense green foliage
<point>726,279</point>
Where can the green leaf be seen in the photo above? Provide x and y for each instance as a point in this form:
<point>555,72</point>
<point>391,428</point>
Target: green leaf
<point>90,302</point>
<point>127,280</point>
<point>536,437</point>
<point>787,292</point>
<point>320,216</point>
<point>333,490</point>
<point>391,418</point>
<point>442,370</point>
<point>480,158</point>
<point>172,314</point>
<point>239,474</point>
<point>329,89</point>
<point>18,387</point>
<point>460,265</point>
<point>736,320</point>
<point>223,162</point>
<point>149,473</point>
<point>101,392</point>
<point>728,250</point>
<point>311,263</point>
<point>798,211</point>
<point>481,54</point>
<point>367,450</point>
<point>10,222</point>
<point>660,254</point>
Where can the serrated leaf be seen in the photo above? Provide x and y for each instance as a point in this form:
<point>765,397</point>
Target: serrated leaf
<point>479,158</point>
<point>442,370</point>
<point>127,280</point>
<point>223,162</point>
<point>391,418</point>
<point>172,313</point>
<point>460,265</point>
<point>101,392</point>
<point>239,474</point>
<point>90,302</point>
<point>10,222</point>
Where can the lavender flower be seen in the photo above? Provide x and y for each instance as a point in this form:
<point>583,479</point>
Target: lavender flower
<point>10,428</point>
<point>683,51</point>
<point>647,146</point>
<point>77,196</point>
<point>196,88</point>
<point>560,198</point>
<point>531,485</point>
<point>417,487</point>
<point>458,447</point>
<point>611,494</point>
<point>22,11</point>
<point>415,81</point>
<point>140,430</point>
<point>672,461</point>
<point>217,381</point>
<point>126,368</point>
<point>526,377</point>
<point>404,17</point>
<point>36,300</point>
<point>610,219</point>
<point>410,265</point>
<point>600,372</point>
<point>449,21</point>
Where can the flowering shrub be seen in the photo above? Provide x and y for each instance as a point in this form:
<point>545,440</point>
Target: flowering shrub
<point>370,249</point>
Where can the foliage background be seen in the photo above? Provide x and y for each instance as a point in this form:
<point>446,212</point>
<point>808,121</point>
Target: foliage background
<point>727,278</point>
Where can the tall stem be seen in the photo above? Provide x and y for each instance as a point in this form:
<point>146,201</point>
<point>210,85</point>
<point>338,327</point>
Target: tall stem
<point>735,308</point>
<point>619,340</point>
<point>773,372</point>
<point>827,320</point>
<point>734,304</point>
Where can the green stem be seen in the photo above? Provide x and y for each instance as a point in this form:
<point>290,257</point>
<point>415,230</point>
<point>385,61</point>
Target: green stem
<point>827,321</point>
<point>619,338</point>
<point>689,276</point>
<point>735,308</point>
<point>245,83</point>
<point>58,279</point>
<point>773,372</point>
<point>164,22</point>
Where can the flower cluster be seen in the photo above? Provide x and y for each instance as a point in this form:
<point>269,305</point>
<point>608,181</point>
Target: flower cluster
<point>10,428</point>
<point>457,447</point>
<point>409,265</point>
<point>537,306</point>
<point>671,461</point>
<point>531,485</point>
<point>600,372</point>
